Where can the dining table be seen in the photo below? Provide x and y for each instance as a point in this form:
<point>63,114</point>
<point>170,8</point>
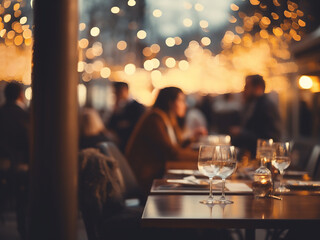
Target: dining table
<point>176,205</point>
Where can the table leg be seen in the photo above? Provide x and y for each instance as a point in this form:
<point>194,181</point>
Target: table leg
<point>250,234</point>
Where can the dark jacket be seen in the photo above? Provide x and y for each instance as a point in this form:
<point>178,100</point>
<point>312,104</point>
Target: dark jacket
<point>14,133</point>
<point>261,121</point>
<point>123,121</point>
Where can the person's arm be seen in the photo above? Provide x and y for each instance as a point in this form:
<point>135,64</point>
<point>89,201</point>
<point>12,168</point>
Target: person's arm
<point>156,133</point>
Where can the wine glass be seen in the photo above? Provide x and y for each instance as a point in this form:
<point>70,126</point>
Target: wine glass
<point>264,151</point>
<point>224,163</point>
<point>204,166</point>
<point>281,160</point>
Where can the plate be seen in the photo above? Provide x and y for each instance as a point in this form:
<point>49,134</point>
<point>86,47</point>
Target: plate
<point>303,185</point>
<point>185,172</point>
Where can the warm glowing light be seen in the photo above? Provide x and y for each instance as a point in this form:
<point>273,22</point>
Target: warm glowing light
<point>301,23</point>
<point>97,49</point>
<point>18,40</point>
<point>232,19</point>
<point>82,94</point>
<point>130,69</point>
<point>115,10</point>
<point>105,72</point>
<point>16,6</point>
<point>265,21</point>
<point>277,32</point>
<point>305,82</point>
<point>148,65</point>
<point>239,30</point>
<point>300,13</point>
<point>89,53</point>
<point>178,40</point>
<point>95,31</point>
<point>88,68</point>
<point>141,34</point>
<point>6,3</point>
<point>234,7</point>
<point>27,33</point>
<point>276,3</point>
<point>155,63</point>
<point>155,48</point>
<point>183,65</point>
<point>170,42</point>
<point>131,3</point>
<point>16,26</point>
<point>147,52</point>
<point>28,41</point>
<point>11,34</point>
<point>255,2</point>
<point>17,13</point>
<point>81,66</point>
<point>82,26</point>
<point>204,24</point>
<point>157,13</point>
<point>296,37</point>
<point>23,20</point>
<point>199,7</point>
<point>275,16</point>
<point>97,65</point>
<point>7,18</point>
<point>28,93</point>
<point>122,45</point>
<point>264,34</point>
<point>170,62</point>
<point>2,32</point>
<point>205,41</point>
<point>287,14</point>
<point>86,77</point>
<point>156,75</point>
<point>236,39</point>
<point>83,43</point>
<point>187,22</point>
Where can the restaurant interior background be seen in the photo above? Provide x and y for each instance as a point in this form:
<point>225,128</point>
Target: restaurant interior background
<point>204,47</point>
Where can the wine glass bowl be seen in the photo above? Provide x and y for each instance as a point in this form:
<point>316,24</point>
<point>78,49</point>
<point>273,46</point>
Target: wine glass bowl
<point>224,162</point>
<point>281,160</point>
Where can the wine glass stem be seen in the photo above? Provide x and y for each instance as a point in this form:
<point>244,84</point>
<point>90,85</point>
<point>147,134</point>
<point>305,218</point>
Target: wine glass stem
<point>281,179</point>
<point>223,186</point>
<point>210,192</point>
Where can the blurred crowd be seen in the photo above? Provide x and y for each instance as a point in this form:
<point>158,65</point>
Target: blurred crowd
<point>148,137</point>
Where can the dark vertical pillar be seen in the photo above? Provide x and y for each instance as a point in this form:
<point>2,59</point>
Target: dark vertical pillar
<point>53,182</point>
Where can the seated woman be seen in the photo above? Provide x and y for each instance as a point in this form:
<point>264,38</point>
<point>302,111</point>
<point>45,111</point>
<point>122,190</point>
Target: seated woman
<point>157,139</point>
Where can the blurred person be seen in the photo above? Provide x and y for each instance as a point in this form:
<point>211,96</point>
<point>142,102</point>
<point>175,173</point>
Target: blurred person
<point>195,123</point>
<point>14,145</point>
<point>260,117</point>
<point>125,115</point>
<point>157,138</point>
<point>92,129</point>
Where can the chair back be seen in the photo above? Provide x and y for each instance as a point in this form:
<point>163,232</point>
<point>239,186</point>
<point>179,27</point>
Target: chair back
<point>132,188</point>
<point>314,163</point>
<point>301,151</point>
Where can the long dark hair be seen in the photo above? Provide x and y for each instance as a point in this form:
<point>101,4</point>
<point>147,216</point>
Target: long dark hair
<point>165,97</point>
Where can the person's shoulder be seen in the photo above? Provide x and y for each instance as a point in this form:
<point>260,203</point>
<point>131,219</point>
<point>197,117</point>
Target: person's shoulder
<point>135,104</point>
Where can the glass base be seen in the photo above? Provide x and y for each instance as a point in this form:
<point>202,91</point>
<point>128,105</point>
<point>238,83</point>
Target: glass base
<point>223,200</point>
<point>207,202</point>
<point>282,189</point>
